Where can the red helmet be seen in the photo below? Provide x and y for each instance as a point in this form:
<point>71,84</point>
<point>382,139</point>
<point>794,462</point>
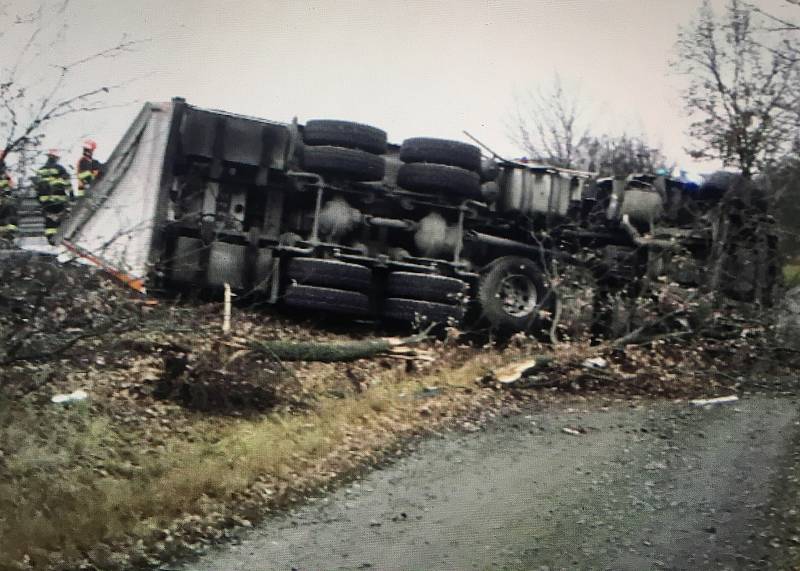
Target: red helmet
<point>89,144</point>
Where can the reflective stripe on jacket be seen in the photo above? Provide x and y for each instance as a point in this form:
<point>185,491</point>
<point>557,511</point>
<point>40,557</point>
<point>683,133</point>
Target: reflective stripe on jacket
<point>53,198</point>
<point>52,183</point>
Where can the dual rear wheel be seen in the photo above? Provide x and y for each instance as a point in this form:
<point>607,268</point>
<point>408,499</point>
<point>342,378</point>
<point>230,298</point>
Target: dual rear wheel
<point>328,285</point>
<point>424,298</point>
<point>344,149</point>
<point>339,287</point>
<point>512,293</point>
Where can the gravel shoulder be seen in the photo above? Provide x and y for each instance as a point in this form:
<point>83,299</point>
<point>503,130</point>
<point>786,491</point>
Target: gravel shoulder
<point>659,485</point>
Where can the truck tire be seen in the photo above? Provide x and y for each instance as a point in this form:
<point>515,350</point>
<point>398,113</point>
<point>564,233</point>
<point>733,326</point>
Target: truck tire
<point>441,151</point>
<point>329,273</point>
<point>426,177</point>
<point>326,299</point>
<point>425,287</point>
<point>421,312</point>
<point>512,293</point>
<point>345,134</point>
<point>351,163</point>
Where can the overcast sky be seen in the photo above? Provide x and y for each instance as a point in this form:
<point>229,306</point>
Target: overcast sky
<point>413,68</point>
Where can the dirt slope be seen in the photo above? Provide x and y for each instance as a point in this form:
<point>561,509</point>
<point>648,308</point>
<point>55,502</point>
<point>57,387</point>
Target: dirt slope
<point>658,486</point>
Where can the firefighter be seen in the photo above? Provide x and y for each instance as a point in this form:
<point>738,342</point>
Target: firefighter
<point>6,182</point>
<point>8,207</point>
<point>54,191</point>
<point>88,168</point>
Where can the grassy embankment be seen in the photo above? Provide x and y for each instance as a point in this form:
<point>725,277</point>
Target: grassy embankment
<point>75,478</point>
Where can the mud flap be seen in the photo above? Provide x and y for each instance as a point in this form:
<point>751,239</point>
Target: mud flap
<point>186,260</point>
<point>226,264</point>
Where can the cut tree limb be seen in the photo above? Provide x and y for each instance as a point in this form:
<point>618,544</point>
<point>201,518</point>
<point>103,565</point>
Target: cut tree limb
<point>510,374</point>
<point>513,374</point>
<point>334,352</point>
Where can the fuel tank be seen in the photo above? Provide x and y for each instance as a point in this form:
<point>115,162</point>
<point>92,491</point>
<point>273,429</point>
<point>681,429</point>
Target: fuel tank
<point>528,191</point>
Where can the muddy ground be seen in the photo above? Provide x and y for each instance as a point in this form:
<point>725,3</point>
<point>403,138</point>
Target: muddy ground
<point>658,485</point>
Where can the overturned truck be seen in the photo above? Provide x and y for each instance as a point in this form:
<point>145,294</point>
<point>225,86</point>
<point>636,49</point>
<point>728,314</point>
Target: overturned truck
<point>328,216</point>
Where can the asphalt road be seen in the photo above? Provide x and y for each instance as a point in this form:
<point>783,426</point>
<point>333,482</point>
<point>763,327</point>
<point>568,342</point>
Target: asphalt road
<point>656,486</point>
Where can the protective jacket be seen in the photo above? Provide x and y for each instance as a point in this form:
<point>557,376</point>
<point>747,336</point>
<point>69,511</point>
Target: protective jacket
<point>52,182</point>
<point>88,170</point>
<point>54,190</point>
<point>6,182</point>
<point>8,207</point>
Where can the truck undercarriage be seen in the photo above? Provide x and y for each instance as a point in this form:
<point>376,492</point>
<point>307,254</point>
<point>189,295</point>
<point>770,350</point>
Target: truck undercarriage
<point>328,216</point>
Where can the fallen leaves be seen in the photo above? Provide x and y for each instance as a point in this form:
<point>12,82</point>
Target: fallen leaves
<point>176,353</point>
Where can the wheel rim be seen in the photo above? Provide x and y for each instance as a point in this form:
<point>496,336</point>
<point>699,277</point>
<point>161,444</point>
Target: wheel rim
<point>518,295</point>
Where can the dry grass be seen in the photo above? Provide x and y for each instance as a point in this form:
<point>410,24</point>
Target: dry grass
<point>75,478</point>
<point>71,479</point>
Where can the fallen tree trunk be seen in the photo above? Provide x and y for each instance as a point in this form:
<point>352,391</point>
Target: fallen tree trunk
<point>324,352</point>
<point>333,352</point>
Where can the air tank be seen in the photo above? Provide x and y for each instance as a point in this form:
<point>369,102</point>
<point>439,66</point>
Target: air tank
<point>643,205</point>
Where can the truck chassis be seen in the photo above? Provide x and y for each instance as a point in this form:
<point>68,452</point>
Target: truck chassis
<point>328,216</point>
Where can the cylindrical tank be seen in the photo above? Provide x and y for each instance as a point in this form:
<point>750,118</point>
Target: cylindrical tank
<point>337,218</point>
<point>530,191</point>
<point>642,205</point>
<point>434,237</point>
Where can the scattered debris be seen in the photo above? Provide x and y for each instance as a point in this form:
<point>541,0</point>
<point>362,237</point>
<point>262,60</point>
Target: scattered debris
<point>75,396</point>
<point>595,363</point>
<point>572,431</point>
<point>713,401</point>
<point>511,374</point>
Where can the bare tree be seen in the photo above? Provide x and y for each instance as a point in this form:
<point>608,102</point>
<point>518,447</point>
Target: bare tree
<point>549,124</point>
<point>36,87</point>
<point>781,22</point>
<point>620,155</point>
<point>741,98</point>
